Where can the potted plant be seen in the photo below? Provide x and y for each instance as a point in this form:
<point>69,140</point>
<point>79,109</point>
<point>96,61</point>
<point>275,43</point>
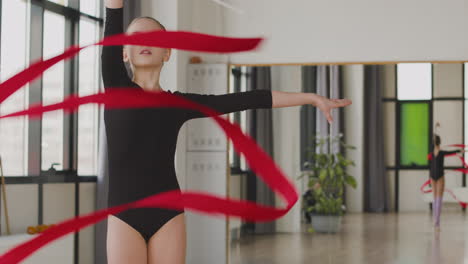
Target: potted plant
<point>327,178</point>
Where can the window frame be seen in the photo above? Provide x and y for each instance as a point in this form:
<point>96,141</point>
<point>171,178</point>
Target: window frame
<point>34,174</point>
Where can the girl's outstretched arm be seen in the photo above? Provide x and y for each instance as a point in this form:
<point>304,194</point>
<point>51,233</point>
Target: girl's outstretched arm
<point>257,99</point>
<point>453,151</point>
<point>287,99</point>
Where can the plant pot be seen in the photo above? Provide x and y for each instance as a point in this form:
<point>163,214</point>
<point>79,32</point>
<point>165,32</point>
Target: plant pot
<point>326,223</point>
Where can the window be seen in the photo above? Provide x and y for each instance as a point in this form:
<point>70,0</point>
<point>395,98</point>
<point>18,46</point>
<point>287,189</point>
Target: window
<point>414,134</point>
<point>31,30</point>
<point>14,24</point>
<point>88,115</point>
<point>22,24</point>
<point>53,91</point>
<point>414,81</point>
<point>90,7</point>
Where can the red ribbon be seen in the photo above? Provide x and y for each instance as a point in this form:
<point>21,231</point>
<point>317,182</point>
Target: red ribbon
<point>258,160</point>
<point>169,39</point>
<point>424,190</point>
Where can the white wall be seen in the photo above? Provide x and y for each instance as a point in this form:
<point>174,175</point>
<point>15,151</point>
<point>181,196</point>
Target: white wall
<point>207,17</point>
<point>353,81</point>
<point>305,31</point>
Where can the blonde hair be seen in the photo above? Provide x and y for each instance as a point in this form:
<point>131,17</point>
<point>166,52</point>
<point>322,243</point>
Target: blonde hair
<point>150,18</point>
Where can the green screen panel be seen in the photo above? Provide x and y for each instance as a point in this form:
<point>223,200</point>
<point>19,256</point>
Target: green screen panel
<point>414,134</point>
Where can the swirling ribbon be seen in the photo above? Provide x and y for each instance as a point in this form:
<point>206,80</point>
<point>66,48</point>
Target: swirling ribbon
<point>258,160</point>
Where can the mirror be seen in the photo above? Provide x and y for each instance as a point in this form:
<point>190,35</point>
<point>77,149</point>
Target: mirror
<point>390,125</point>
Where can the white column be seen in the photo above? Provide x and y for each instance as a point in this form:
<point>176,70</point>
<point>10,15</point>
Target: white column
<point>286,134</point>
<point>353,81</point>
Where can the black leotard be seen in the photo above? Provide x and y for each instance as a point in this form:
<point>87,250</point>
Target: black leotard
<point>437,164</point>
<point>142,142</point>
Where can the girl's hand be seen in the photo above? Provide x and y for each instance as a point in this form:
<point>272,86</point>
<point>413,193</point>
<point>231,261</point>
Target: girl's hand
<point>326,105</point>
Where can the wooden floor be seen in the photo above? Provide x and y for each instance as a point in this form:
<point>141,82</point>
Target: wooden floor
<point>406,238</point>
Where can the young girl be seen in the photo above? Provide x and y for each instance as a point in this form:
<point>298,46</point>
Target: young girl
<point>437,178</point>
<point>142,143</point>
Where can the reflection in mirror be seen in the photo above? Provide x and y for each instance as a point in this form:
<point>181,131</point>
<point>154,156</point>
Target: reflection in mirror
<point>376,155</point>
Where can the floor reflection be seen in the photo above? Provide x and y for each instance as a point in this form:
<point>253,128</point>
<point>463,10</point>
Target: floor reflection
<point>434,247</point>
<point>365,238</point>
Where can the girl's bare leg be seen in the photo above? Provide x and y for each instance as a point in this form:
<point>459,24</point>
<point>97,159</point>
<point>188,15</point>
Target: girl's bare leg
<point>168,245</point>
<point>124,244</point>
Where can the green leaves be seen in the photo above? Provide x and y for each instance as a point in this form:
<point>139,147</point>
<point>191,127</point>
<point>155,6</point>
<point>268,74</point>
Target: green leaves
<point>327,206</point>
<point>351,181</point>
<point>339,171</point>
<point>327,175</point>
<point>319,191</point>
<point>312,182</point>
<point>323,175</point>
